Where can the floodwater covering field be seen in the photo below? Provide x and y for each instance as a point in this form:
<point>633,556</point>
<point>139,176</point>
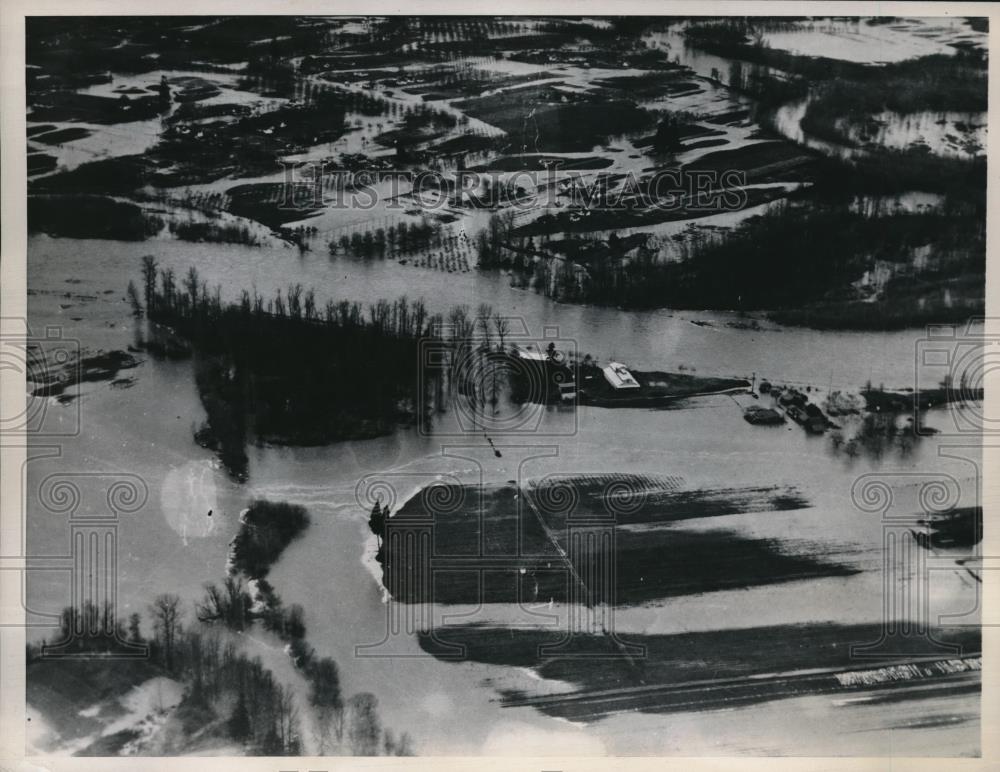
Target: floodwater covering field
<point>752,553</point>
<point>146,429</point>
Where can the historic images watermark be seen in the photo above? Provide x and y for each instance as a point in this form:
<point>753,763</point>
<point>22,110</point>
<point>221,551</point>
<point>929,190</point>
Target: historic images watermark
<point>89,628</point>
<point>951,365</point>
<point>94,504</point>
<point>450,544</point>
<point>47,360</point>
<point>498,377</point>
<point>308,186</point>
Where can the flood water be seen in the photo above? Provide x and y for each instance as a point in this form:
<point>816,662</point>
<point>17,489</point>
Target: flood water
<point>170,544</point>
<point>857,40</point>
<point>948,134</point>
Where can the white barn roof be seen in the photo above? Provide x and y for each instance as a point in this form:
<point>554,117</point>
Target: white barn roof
<point>619,377</point>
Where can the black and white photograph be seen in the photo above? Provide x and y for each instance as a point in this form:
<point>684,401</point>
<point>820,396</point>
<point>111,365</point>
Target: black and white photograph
<point>466,385</point>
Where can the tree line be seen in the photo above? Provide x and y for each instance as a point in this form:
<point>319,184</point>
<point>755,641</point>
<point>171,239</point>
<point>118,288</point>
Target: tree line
<point>404,238</point>
<point>794,254</point>
<point>228,695</point>
<point>286,370</point>
<point>224,689</point>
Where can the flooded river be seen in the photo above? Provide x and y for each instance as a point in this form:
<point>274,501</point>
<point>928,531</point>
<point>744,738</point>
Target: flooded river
<point>170,544</point>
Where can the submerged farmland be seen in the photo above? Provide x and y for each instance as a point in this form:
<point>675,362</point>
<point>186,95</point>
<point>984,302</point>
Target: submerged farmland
<point>481,373</point>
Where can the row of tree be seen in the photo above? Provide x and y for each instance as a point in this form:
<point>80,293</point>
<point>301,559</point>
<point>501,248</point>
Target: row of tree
<point>404,238</point>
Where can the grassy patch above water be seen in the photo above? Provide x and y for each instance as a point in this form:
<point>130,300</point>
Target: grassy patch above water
<point>536,529</point>
<point>88,217</point>
<point>545,119</point>
<point>62,106</point>
<point>62,135</point>
<point>272,203</point>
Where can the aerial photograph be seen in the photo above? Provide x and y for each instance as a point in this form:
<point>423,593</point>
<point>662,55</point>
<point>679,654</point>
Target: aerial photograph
<point>505,385</point>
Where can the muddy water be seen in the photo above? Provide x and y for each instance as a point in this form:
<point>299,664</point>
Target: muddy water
<point>172,544</point>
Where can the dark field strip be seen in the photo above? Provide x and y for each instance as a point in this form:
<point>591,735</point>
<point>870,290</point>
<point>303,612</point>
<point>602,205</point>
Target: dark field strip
<point>60,106</point>
<point>706,143</point>
<point>708,670</point>
<point>609,219</point>
<point>659,563</point>
<point>664,563</point>
<point>650,85</point>
<point>469,517</point>
<point>267,202</point>
<point>558,126</point>
<point>482,537</point>
<point>31,131</point>
<point>758,161</point>
<point>62,135</point>
<point>556,541</point>
<point>651,499</point>
<point>894,696</point>
<point>541,162</point>
<point>733,693</point>
<point>40,162</point>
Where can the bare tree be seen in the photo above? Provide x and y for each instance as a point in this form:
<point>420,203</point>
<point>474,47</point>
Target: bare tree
<point>461,336</point>
<point>228,604</point>
<point>365,726</point>
<point>501,324</point>
<point>404,746</point>
<point>132,293</point>
<point>191,284</point>
<point>391,746</point>
<point>166,613</point>
<point>149,279</point>
<point>288,721</point>
<point>328,701</point>
<point>484,314</point>
<point>134,628</point>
